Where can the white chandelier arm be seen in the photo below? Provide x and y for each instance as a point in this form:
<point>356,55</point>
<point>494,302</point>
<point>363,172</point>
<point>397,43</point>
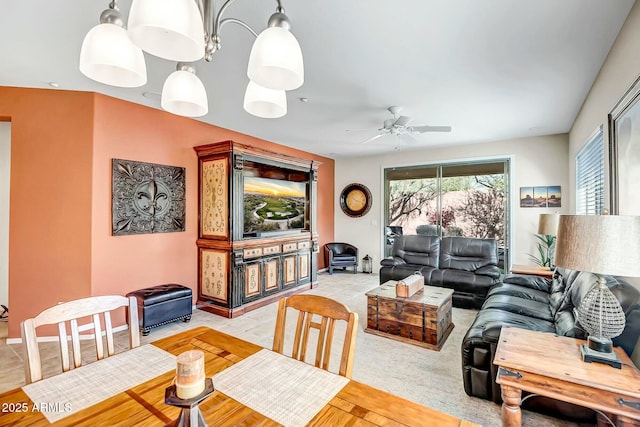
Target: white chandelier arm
<point>212,37</point>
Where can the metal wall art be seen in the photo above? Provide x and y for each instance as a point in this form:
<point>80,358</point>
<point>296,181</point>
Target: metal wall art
<point>147,198</point>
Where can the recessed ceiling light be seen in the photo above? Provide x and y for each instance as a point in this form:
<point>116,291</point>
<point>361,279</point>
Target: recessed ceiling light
<point>303,99</point>
<point>151,95</point>
<point>54,84</point>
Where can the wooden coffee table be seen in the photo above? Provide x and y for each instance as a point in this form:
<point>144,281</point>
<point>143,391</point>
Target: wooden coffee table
<point>422,319</point>
<point>549,365</point>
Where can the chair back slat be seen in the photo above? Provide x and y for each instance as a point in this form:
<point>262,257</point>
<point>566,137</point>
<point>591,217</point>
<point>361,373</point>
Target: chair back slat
<point>64,346</point>
<point>329,311</point>
<point>75,343</point>
<point>108,331</point>
<point>71,311</point>
<point>97,331</point>
<point>328,342</point>
<point>32,363</point>
<point>300,338</point>
<point>320,342</point>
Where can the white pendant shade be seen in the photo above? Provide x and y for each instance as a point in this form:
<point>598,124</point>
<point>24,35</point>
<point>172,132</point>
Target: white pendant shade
<point>183,93</point>
<point>263,102</point>
<point>275,61</point>
<point>170,29</point>
<point>108,56</point>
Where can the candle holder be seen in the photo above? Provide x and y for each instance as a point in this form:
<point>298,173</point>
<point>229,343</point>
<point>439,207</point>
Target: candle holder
<point>190,415</point>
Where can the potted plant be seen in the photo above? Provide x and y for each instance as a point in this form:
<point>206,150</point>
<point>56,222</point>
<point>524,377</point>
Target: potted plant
<point>545,248</point>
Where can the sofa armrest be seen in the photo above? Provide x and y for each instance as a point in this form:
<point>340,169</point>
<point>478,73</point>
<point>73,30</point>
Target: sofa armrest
<point>391,262</point>
<point>489,270</point>
<point>491,332</point>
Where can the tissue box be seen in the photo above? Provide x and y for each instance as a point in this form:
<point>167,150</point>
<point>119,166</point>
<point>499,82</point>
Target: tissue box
<point>409,285</point>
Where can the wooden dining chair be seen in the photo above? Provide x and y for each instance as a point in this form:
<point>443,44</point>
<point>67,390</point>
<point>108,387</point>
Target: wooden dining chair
<point>70,312</point>
<point>328,310</point>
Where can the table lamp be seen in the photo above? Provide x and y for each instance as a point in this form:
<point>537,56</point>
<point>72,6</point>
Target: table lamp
<point>548,226</point>
<point>603,245</point>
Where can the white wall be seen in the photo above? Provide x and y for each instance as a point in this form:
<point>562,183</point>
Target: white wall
<point>535,161</point>
<point>5,169</point>
<point>619,71</point>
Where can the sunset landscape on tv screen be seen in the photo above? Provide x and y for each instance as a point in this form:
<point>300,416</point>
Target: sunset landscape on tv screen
<point>273,205</point>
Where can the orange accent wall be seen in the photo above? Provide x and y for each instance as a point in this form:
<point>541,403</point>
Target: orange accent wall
<point>61,246</point>
<point>50,199</point>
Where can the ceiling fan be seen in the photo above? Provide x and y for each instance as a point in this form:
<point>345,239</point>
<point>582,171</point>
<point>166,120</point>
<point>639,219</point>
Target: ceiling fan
<point>398,125</point>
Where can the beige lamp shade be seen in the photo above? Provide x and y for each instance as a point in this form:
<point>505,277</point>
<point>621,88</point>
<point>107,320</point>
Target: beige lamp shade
<point>548,224</point>
<point>600,244</point>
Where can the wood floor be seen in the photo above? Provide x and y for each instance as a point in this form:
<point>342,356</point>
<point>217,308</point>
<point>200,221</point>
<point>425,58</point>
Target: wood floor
<point>428,377</point>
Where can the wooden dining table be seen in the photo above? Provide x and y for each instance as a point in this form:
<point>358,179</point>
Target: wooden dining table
<point>144,405</point>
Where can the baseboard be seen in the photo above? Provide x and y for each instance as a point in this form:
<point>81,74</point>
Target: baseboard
<point>80,329</point>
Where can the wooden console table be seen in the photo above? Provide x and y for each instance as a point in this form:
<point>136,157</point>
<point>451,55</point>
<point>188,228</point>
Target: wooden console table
<point>532,269</point>
<point>549,365</point>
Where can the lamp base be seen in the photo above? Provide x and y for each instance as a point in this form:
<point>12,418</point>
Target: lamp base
<point>609,358</point>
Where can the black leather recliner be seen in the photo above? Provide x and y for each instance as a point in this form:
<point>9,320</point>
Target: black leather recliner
<point>341,255</point>
<point>544,305</point>
<point>465,264</point>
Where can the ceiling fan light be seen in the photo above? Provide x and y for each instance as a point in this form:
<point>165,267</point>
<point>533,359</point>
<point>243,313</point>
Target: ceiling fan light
<point>170,29</point>
<point>108,56</point>
<point>276,61</point>
<point>183,94</point>
<point>263,102</point>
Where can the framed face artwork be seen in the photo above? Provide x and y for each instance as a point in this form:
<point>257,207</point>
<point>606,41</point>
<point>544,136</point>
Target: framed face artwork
<point>624,153</point>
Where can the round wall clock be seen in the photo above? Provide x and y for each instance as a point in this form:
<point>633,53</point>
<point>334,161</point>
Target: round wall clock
<point>355,200</point>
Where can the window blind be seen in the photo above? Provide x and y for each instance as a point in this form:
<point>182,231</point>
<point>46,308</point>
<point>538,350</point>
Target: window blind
<point>590,176</point>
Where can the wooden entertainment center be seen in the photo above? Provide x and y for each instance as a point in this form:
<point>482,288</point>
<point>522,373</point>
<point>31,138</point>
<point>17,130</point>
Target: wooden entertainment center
<point>247,260</point>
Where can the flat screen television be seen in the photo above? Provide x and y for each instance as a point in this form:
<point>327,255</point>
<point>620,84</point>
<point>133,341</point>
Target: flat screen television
<point>274,206</point>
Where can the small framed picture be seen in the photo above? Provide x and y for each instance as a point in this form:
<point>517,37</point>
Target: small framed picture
<point>526,197</point>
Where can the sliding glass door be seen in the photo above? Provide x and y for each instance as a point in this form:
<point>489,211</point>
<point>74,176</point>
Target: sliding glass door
<point>455,199</point>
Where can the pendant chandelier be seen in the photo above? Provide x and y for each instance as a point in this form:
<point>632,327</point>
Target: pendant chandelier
<point>186,31</point>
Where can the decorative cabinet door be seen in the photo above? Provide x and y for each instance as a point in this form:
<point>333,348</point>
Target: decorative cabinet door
<point>271,274</point>
<point>252,280</point>
<point>304,267</point>
<point>289,272</point>
<point>214,195</point>
<point>214,274</point>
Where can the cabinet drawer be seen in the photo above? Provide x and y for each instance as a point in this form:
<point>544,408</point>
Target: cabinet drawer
<point>252,253</point>
<point>271,250</point>
<point>289,247</point>
<point>304,245</point>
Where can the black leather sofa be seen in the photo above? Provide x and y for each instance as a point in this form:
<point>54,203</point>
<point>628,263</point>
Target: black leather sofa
<point>539,304</point>
<point>466,265</point>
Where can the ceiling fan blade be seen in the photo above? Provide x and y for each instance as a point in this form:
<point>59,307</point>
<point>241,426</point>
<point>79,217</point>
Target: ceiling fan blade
<point>372,138</point>
<point>402,121</point>
<point>407,138</point>
<point>421,129</point>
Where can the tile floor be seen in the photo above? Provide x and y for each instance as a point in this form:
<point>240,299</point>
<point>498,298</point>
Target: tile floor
<point>428,377</point>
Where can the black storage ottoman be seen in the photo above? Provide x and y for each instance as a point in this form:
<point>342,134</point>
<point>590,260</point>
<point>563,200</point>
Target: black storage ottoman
<point>162,304</point>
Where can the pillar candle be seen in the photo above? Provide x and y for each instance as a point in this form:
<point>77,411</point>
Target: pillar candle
<point>190,374</point>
